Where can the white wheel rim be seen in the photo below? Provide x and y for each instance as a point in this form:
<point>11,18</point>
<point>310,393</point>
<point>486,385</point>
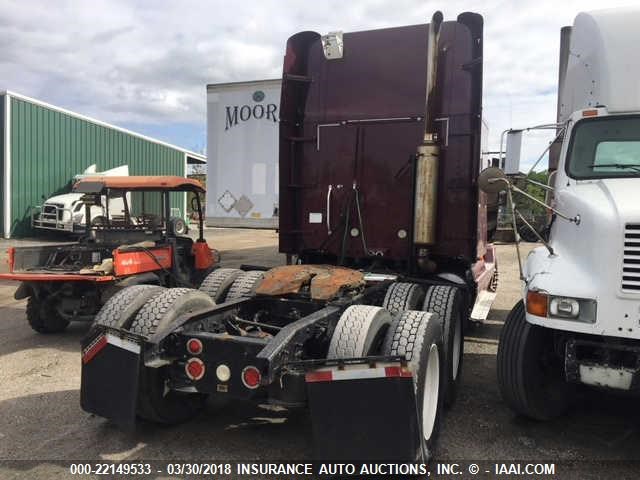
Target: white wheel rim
<point>430,393</point>
<point>457,347</point>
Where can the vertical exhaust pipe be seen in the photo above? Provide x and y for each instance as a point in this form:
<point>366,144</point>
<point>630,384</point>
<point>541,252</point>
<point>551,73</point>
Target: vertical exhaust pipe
<point>426,181</point>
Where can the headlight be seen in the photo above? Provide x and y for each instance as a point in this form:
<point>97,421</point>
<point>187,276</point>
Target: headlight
<point>541,304</point>
<point>579,309</point>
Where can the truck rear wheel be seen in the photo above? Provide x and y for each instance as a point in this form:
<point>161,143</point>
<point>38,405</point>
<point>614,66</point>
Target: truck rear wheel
<point>530,373</point>
<point>121,308</point>
<point>403,296</point>
<point>245,285</point>
<point>218,282</point>
<point>418,337</point>
<point>448,303</point>
<point>359,332</point>
<point>159,313</point>
<point>43,318</point>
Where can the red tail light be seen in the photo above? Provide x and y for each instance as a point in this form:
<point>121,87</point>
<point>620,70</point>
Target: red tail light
<point>251,377</point>
<point>194,346</point>
<point>194,368</point>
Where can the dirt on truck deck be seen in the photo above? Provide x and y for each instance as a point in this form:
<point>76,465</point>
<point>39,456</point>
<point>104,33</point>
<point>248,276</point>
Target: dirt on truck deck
<point>41,418</point>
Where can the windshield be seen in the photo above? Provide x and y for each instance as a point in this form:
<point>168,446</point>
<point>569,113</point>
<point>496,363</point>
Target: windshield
<point>606,147</point>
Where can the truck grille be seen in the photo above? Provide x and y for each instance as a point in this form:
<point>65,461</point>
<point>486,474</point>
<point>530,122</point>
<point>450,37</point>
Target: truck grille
<point>631,258</point>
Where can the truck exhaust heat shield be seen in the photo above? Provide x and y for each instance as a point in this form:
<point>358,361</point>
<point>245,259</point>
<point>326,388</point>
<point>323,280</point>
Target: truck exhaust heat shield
<point>362,413</point>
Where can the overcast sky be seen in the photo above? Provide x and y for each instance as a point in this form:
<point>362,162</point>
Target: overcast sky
<point>144,64</point>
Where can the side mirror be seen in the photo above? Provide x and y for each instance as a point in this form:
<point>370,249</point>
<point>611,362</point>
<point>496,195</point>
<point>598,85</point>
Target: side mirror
<point>512,157</point>
<point>492,180</point>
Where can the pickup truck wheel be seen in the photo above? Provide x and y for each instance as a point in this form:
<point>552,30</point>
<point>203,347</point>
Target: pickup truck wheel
<point>245,285</point>
<point>121,308</point>
<point>403,296</point>
<point>418,337</point>
<point>359,332</point>
<point>44,319</point>
<point>448,303</point>
<point>530,373</point>
<point>218,282</point>
<point>155,402</point>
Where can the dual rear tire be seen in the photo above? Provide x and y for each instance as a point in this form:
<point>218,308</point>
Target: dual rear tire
<point>365,330</point>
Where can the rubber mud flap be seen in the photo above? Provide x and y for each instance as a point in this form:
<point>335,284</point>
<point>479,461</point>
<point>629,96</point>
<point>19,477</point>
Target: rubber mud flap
<point>364,419</point>
<point>109,380</point>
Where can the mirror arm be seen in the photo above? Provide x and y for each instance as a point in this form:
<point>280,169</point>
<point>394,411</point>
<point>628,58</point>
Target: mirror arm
<point>515,229</point>
<point>549,247</point>
<point>511,187</point>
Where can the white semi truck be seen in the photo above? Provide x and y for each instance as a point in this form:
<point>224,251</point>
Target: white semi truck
<point>66,213</point>
<point>579,321</point>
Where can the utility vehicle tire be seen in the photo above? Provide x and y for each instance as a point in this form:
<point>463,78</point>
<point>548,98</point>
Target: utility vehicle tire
<point>162,310</point>
<point>178,226</point>
<point>403,296</point>
<point>121,308</point>
<point>359,332</point>
<point>530,374</point>
<point>448,303</point>
<point>99,221</point>
<point>154,403</point>
<point>418,336</point>
<point>245,285</point>
<point>218,282</point>
<point>43,318</point>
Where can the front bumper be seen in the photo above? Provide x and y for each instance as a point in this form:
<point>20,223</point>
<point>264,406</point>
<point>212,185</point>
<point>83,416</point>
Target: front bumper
<point>604,365</point>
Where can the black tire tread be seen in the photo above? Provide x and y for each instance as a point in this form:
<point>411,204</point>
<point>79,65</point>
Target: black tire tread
<point>218,282</point>
<point>122,307</point>
<point>403,296</point>
<point>444,300</point>
<point>353,329</point>
<point>245,285</point>
<point>53,323</point>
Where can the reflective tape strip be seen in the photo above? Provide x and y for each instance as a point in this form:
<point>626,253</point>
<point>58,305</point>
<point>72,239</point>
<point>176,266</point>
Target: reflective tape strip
<point>94,348</point>
<point>356,373</point>
<point>123,343</point>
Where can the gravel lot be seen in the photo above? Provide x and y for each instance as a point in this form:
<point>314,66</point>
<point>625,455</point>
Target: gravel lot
<point>41,419</point>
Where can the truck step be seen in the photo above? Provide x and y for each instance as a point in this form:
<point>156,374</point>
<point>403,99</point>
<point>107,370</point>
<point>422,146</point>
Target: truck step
<point>482,306</point>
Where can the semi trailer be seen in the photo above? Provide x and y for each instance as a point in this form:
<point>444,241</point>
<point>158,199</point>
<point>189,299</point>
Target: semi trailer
<point>578,322</point>
<point>384,230</point>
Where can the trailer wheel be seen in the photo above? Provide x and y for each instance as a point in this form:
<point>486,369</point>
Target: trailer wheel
<point>120,309</point>
<point>418,336</point>
<point>155,402</point>
<point>218,282</point>
<point>448,303</point>
<point>530,373</point>
<point>403,296</point>
<point>44,319</point>
<point>359,332</point>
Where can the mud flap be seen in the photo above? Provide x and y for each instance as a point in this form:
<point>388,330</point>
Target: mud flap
<point>361,413</point>
<point>110,372</point>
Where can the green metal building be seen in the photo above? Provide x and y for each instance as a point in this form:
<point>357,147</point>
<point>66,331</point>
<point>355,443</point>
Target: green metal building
<point>42,147</point>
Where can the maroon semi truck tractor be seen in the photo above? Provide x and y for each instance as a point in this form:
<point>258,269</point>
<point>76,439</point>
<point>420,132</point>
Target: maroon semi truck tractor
<point>385,234</point>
